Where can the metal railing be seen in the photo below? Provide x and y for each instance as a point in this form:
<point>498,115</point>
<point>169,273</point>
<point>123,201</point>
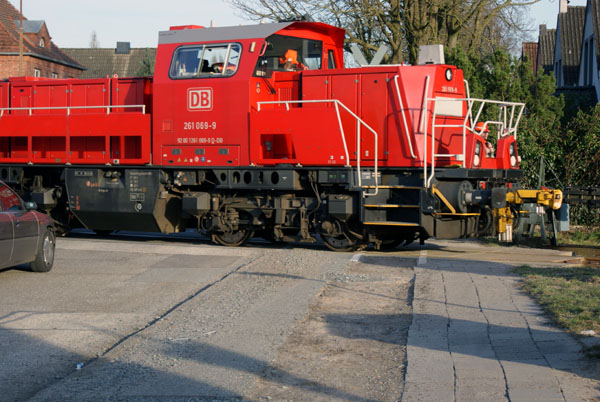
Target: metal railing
<point>69,108</point>
<point>401,104</point>
<point>507,125</point>
<point>359,123</point>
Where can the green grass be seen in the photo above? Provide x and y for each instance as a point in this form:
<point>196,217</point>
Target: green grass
<point>571,296</point>
<point>583,236</point>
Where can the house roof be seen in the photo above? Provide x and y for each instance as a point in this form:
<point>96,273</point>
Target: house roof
<point>101,62</point>
<point>30,26</point>
<point>9,38</point>
<point>547,41</point>
<point>571,33</point>
<point>530,49</point>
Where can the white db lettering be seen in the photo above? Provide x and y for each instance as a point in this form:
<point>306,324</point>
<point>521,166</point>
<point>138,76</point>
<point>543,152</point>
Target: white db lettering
<point>199,99</point>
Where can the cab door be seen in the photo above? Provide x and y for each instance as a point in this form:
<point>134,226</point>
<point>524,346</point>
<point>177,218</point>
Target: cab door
<point>209,106</point>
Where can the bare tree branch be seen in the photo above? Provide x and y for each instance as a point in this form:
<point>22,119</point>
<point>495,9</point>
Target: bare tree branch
<point>404,25</point>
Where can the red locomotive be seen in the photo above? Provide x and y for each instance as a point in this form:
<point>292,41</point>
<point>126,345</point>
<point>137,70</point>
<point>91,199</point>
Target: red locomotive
<point>260,130</point>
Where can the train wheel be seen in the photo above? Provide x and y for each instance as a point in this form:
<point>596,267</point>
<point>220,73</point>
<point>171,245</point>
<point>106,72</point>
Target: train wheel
<point>338,236</point>
<point>232,239</point>
<point>338,243</point>
<point>485,225</point>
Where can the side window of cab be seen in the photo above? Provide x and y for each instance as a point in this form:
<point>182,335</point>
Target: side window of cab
<point>331,59</point>
<point>287,53</point>
<point>205,61</point>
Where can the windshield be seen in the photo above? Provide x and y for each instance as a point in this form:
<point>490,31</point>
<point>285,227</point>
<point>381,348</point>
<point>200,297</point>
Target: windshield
<point>286,53</point>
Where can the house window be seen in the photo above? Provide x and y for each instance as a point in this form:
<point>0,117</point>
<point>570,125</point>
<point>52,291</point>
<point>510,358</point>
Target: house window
<point>591,62</point>
<point>37,72</point>
<point>42,43</point>
<point>54,75</point>
<point>585,63</point>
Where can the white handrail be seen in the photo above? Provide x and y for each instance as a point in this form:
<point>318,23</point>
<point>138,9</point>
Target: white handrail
<point>424,129</point>
<point>424,109</point>
<point>359,121</point>
<point>468,93</point>
<point>69,108</point>
<point>508,126</point>
<point>412,153</point>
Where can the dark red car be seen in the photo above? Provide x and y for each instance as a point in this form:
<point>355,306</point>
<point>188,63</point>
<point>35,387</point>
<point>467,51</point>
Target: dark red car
<point>26,235</point>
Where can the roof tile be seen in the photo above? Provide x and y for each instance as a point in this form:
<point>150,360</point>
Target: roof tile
<point>571,33</point>
<point>102,62</point>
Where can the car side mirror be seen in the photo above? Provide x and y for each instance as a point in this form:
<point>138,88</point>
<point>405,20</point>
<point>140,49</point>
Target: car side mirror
<point>30,206</point>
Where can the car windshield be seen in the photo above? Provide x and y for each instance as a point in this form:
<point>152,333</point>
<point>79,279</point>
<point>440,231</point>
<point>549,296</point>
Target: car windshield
<point>286,53</point>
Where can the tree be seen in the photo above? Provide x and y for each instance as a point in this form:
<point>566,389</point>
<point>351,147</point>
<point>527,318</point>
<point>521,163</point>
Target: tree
<point>94,44</point>
<point>403,25</point>
<point>147,66</point>
<point>502,77</point>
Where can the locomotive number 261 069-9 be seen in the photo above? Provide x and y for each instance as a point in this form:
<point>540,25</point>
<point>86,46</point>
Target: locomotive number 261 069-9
<point>199,125</point>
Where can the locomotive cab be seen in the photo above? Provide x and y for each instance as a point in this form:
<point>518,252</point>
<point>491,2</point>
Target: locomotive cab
<point>207,80</point>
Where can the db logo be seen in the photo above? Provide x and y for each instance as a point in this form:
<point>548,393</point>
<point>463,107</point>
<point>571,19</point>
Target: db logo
<point>200,99</point>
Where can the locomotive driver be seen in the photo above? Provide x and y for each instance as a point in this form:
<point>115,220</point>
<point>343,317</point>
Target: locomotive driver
<point>483,130</point>
<point>289,61</point>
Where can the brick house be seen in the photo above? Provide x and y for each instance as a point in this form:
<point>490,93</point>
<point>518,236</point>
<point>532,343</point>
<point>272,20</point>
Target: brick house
<point>41,57</point>
<point>530,50</point>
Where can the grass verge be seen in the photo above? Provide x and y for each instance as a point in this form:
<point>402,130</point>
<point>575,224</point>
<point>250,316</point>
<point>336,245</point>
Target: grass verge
<point>571,296</point>
<point>581,235</point>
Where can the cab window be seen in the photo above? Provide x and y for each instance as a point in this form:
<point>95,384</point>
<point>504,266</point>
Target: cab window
<point>219,60</point>
<point>9,201</point>
<point>286,53</point>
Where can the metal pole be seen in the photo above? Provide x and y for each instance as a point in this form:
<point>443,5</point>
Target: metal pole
<point>541,182</point>
<point>542,173</point>
<point>21,38</point>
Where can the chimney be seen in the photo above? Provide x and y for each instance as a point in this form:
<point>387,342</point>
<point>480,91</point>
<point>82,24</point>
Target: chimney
<point>543,29</point>
<point>562,6</point>
<point>123,48</point>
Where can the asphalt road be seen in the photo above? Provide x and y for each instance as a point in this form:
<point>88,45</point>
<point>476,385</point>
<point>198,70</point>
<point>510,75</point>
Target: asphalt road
<point>123,318</point>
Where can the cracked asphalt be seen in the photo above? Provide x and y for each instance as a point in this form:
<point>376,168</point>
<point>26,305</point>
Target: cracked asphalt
<point>123,318</point>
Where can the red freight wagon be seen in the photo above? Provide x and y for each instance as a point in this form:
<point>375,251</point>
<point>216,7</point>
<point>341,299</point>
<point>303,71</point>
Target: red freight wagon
<point>260,130</point>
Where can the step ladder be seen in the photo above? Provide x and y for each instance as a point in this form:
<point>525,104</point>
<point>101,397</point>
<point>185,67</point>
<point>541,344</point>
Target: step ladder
<point>395,205</point>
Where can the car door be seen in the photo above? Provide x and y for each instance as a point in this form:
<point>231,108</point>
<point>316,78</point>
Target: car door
<point>6,238</point>
<point>25,224</point>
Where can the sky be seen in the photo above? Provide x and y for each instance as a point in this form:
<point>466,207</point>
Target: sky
<point>71,22</point>
<point>546,12</point>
